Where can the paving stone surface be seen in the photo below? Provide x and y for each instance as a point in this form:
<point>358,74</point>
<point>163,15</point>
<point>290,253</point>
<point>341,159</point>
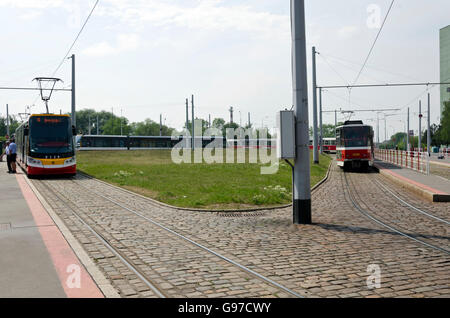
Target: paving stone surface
<point>334,257</point>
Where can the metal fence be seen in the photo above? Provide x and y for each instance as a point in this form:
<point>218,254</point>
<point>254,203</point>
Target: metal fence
<point>418,161</point>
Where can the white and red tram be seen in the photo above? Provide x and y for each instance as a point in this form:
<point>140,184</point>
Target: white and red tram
<point>354,145</point>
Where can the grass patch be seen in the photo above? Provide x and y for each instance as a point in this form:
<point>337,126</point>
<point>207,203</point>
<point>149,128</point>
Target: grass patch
<point>153,174</point>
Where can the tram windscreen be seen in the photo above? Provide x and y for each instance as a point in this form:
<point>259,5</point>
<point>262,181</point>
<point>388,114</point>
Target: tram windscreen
<point>355,136</point>
<point>50,135</point>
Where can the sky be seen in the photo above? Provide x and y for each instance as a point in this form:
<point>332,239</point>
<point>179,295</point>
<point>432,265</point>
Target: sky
<point>143,58</point>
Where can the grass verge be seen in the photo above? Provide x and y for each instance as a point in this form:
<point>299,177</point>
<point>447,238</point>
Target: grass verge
<point>213,186</point>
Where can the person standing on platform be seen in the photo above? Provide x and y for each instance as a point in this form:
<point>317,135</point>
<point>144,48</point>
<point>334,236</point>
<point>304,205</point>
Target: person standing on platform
<point>8,158</point>
<point>13,155</point>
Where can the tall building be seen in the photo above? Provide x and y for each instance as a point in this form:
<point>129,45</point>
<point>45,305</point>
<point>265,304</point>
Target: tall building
<point>445,64</point>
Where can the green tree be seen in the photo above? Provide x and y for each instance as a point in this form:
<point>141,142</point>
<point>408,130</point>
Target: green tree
<point>113,126</point>
<point>150,128</point>
<point>218,123</point>
<point>13,125</point>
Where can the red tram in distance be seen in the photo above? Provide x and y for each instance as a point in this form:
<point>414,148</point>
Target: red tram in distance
<point>45,145</point>
<point>354,145</point>
<point>329,145</point>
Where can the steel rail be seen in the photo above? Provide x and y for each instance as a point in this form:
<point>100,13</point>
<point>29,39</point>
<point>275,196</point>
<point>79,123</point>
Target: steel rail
<point>108,245</point>
<point>411,206</point>
<point>270,281</point>
<point>368,215</point>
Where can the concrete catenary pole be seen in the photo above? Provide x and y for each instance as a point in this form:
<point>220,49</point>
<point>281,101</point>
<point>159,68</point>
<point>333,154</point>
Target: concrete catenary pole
<point>302,176</point>
<point>420,125</point>
<point>74,113</point>
<point>320,120</point>
<point>7,120</point>
<point>315,133</point>
<point>408,147</point>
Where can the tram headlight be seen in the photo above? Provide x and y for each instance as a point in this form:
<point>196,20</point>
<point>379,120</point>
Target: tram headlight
<point>70,161</point>
<point>35,162</point>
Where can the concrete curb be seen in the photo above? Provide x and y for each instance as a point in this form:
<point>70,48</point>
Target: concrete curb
<point>206,210</point>
<point>103,284</point>
<point>424,193</point>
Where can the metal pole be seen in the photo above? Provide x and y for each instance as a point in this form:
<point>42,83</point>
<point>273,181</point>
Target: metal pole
<point>429,134</point>
<point>315,133</point>
<point>121,131</point>
<point>7,120</point>
<point>335,124</point>
<point>74,114</point>
<point>160,125</point>
<point>193,125</point>
<point>378,129</point>
<point>321,124</point>
<point>420,125</point>
<point>408,147</point>
<point>187,114</point>
<point>302,177</point>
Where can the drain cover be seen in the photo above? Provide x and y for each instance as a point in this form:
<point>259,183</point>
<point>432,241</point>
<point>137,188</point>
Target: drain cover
<point>5,227</point>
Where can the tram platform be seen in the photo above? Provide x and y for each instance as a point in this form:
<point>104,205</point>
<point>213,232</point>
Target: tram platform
<point>431,187</point>
<point>36,260</point>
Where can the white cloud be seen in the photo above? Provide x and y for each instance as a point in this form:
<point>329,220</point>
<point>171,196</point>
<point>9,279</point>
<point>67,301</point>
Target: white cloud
<point>125,42</point>
<point>210,15</point>
<point>30,15</point>
<point>348,31</point>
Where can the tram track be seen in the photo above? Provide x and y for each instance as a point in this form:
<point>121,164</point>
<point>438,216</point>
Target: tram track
<point>170,232</point>
<point>356,200</point>
<point>130,265</point>
<point>412,207</point>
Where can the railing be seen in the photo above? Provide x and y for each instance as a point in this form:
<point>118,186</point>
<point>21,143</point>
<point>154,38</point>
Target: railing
<point>418,161</point>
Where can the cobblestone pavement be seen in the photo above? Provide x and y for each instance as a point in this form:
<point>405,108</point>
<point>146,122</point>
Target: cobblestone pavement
<point>441,171</point>
<point>327,259</point>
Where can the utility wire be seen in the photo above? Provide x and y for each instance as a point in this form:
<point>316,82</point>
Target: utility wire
<point>73,43</point>
<point>334,70</point>
<point>76,39</point>
<point>376,68</point>
<point>421,94</point>
<point>373,45</point>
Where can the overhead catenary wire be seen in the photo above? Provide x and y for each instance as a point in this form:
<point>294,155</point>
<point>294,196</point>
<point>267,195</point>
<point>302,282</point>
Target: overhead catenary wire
<point>76,39</point>
<point>74,42</point>
<point>374,43</point>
